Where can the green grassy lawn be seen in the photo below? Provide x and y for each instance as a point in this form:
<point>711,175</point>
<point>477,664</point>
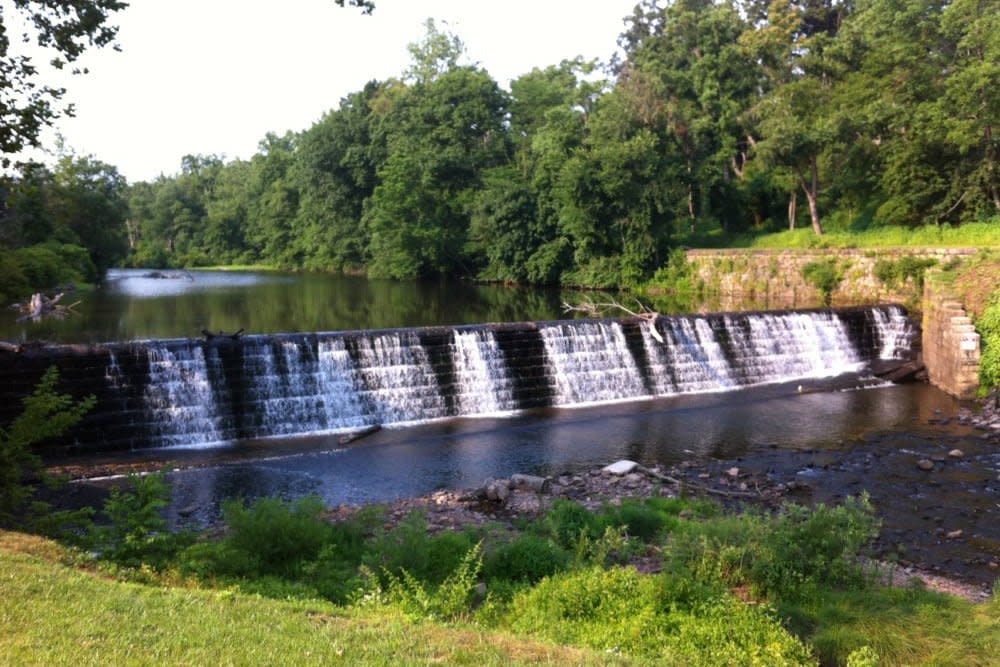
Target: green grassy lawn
<point>55,614</point>
<point>980,234</point>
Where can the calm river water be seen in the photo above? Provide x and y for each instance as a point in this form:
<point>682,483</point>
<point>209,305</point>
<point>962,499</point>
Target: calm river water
<point>128,306</point>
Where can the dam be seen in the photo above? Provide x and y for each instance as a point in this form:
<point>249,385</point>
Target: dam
<point>191,393</point>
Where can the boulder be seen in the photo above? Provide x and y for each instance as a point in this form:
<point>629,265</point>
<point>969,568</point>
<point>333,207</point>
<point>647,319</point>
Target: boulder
<point>622,467</point>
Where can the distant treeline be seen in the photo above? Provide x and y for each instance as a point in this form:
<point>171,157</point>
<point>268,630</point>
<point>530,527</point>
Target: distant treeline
<point>718,118</point>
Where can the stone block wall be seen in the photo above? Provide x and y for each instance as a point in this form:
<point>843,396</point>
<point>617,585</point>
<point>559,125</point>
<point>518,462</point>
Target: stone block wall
<point>951,345</point>
<point>738,279</point>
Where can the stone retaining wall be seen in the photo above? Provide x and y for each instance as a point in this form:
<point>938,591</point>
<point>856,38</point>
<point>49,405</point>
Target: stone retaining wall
<point>772,278</point>
<point>951,345</point>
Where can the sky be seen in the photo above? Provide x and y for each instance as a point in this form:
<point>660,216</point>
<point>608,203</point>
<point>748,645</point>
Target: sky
<point>214,76</point>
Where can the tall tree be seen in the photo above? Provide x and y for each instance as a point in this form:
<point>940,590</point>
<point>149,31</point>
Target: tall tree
<point>64,29</point>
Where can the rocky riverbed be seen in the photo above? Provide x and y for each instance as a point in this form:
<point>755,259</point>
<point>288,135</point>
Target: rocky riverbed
<point>502,501</point>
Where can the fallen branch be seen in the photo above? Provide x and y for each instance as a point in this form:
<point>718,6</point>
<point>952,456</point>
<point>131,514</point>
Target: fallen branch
<point>698,487</point>
<point>357,435</point>
<point>41,307</point>
<point>599,309</point>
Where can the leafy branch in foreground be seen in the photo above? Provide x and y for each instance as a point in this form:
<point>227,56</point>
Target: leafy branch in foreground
<point>46,414</point>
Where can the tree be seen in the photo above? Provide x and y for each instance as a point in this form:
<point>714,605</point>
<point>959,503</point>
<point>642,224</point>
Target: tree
<point>63,28</point>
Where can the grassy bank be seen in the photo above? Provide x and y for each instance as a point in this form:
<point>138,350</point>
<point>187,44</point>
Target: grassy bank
<point>285,586</point>
<point>979,235</point>
<point>55,614</point>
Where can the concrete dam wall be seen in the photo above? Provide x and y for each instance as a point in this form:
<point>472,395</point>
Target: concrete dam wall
<point>196,393</point>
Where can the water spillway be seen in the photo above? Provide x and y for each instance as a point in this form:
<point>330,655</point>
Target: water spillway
<point>189,393</point>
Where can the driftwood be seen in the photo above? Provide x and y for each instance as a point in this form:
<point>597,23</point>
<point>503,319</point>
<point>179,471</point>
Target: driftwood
<point>221,334</point>
<point>41,307</point>
<point>357,435</point>
<point>698,487</point>
<point>600,309</point>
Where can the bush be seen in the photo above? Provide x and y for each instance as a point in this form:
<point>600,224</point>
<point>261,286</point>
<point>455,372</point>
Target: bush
<point>825,275</point>
<point>641,520</point>
<point>448,601</point>
<point>568,521</point>
<point>137,533</point>
<point>428,558</point>
<point>988,326</point>
<point>621,610</point>
<point>47,414</point>
<point>804,549</point>
<point>525,559</point>
<point>275,537</point>
<point>896,272</point>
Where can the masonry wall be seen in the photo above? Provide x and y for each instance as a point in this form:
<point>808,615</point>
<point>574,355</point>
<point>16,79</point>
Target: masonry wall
<point>742,279</point>
<point>772,278</point>
<point>951,345</point>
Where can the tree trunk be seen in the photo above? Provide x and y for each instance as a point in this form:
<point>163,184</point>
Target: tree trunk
<point>792,208</point>
<point>812,194</point>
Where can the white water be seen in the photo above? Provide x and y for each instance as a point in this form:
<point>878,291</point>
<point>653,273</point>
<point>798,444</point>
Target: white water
<point>590,362</point>
<point>482,380</point>
<point>180,400</point>
<point>303,386</point>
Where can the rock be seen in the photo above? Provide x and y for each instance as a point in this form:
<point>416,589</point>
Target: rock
<point>633,479</point>
<point>704,475</point>
<point>993,565</point>
<point>956,453</point>
<point>502,492</point>
<point>531,483</point>
<point>733,472</point>
<point>622,467</point>
<point>953,534</point>
<point>925,464</point>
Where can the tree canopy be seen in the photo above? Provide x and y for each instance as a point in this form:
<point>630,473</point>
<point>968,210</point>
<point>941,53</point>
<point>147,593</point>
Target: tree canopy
<point>719,117</point>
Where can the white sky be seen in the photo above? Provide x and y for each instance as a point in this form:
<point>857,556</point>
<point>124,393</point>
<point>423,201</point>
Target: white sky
<point>213,76</point>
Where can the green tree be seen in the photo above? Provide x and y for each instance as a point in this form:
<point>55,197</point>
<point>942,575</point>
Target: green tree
<point>443,134</point>
<point>62,28</point>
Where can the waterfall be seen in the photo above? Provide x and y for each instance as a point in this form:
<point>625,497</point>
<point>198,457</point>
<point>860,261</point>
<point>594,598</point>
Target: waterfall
<point>180,400</point>
<point>398,379</point>
<point>482,381</point>
<point>895,332</point>
<point>198,393</point>
<point>591,362</point>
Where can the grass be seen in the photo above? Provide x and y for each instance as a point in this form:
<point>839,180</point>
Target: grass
<point>53,614</point>
<point>736,589</point>
<point>904,626</point>
<point>978,234</point>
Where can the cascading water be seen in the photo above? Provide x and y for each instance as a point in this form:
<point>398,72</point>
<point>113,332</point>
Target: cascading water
<point>196,393</point>
<point>895,332</point>
<point>180,400</point>
<point>400,384</point>
<point>482,381</point>
<point>591,362</point>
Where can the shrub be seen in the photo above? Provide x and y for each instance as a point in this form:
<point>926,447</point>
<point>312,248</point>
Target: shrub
<point>276,537</point>
<point>988,326</point>
<point>527,558</point>
<point>428,558</point>
<point>418,600</point>
<point>621,610</point>
<point>804,549</point>
<point>47,414</point>
<point>641,520</point>
<point>893,273</point>
<point>137,533</point>
<point>825,275</point>
<point>567,521</point>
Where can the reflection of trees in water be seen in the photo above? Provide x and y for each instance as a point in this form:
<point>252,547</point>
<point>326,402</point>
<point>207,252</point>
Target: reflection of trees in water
<point>325,302</point>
